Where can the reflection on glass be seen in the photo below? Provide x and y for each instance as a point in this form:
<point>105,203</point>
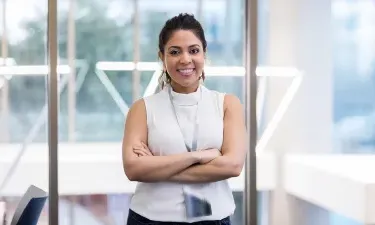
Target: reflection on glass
<point>354,80</point>
<point>354,74</point>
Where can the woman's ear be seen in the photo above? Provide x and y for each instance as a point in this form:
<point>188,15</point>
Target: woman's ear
<point>161,56</point>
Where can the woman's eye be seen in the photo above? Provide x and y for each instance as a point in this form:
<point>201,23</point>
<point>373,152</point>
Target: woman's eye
<point>173,52</point>
<point>194,51</point>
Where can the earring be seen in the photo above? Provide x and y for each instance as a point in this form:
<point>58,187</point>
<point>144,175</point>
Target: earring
<point>167,77</point>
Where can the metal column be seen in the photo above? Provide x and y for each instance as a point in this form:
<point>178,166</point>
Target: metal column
<point>251,62</point>
<point>53,104</point>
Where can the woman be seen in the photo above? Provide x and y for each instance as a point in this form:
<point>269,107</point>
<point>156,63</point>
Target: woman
<point>183,143</point>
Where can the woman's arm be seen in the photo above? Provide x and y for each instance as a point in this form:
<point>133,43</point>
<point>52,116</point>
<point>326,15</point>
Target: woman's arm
<point>151,168</point>
<point>234,149</point>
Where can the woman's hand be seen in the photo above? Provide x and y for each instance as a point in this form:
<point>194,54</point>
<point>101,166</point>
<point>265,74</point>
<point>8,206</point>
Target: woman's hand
<point>142,150</point>
<point>207,155</point>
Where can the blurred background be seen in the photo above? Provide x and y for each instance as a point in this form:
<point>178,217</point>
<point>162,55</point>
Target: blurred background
<point>315,104</point>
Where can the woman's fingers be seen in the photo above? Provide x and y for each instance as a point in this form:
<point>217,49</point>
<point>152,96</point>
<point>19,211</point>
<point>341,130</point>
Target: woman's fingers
<point>145,146</point>
<point>142,151</point>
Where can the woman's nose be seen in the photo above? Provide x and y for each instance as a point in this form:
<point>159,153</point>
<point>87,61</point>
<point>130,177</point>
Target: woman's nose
<point>185,58</point>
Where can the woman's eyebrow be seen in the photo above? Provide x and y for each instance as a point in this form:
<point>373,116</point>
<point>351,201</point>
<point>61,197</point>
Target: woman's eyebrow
<point>178,47</point>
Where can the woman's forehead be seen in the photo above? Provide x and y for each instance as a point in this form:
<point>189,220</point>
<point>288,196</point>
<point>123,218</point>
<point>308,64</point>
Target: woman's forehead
<point>183,39</point>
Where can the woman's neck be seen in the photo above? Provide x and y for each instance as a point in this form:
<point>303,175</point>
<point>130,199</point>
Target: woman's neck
<point>184,90</point>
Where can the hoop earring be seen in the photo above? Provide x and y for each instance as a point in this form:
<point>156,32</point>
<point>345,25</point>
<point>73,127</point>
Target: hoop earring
<point>203,77</point>
<point>167,77</point>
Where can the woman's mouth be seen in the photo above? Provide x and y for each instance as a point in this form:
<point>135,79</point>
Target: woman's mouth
<point>186,72</point>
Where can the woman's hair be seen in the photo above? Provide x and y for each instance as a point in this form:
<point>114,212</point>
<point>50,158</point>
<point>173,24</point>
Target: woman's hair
<point>183,21</point>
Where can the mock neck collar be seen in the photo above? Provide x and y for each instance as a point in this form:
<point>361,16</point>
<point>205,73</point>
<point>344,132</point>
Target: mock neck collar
<point>184,99</point>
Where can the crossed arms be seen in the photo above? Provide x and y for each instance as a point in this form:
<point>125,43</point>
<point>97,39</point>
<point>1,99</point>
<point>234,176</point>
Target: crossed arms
<point>208,165</point>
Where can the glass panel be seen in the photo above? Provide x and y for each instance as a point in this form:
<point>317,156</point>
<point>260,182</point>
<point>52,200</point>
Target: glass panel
<point>354,76</point>
<point>98,34</point>
<point>354,82</point>
<point>318,102</point>
<point>23,103</point>
<point>93,106</point>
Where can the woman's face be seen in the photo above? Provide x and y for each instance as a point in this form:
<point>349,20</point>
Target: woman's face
<point>183,59</point>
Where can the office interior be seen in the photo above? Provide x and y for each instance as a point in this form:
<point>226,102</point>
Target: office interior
<point>313,63</point>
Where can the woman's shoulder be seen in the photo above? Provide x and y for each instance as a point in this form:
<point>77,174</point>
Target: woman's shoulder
<point>232,104</point>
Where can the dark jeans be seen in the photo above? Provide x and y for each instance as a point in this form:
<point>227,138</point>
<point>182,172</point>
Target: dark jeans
<point>136,219</point>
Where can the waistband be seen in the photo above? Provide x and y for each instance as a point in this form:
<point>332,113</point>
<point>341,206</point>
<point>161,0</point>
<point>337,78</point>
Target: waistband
<point>136,219</point>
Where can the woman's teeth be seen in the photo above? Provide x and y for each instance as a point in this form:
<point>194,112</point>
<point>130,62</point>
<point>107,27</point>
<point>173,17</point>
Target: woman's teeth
<point>186,71</point>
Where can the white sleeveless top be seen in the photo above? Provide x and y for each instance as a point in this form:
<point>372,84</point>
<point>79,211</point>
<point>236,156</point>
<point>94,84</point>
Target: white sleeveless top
<point>164,201</point>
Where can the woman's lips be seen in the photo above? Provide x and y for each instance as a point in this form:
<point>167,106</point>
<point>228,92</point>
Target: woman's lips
<point>186,72</point>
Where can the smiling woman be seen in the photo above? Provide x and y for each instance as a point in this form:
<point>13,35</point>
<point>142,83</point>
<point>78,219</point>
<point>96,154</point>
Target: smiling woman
<point>183,143</point>
<point>182,48</point>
